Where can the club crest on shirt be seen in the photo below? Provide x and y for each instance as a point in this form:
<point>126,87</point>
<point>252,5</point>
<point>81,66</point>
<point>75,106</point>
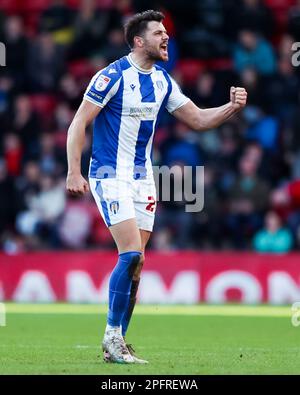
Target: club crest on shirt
<point>160,85</point>
<point>114,207</point>
<point>102,82</point>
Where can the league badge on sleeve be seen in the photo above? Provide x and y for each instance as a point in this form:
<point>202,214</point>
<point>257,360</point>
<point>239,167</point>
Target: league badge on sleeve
<point>102,82</point>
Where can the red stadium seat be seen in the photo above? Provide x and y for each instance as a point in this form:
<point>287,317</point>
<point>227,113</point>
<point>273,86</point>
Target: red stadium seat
<point>190,69</point>
<point>31,22</point>
<point>43,104</point>
<point>81,69</point>
<point>10,6</point>
<point>280,10</point>
<point>34,5</point>
<point>220,64</point>
<point>73,3</point>
<point>279,4</point>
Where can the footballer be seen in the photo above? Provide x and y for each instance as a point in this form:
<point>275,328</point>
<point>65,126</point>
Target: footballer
<point>126,100</point>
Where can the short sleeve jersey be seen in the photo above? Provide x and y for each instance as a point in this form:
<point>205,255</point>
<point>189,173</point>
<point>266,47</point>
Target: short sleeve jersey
<point>132,101</point>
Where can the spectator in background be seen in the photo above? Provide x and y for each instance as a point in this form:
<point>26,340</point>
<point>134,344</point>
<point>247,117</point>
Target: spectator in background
<point>75,226</point>
<point>13,153</point>
<point>2,23</point>
<point>282,87</point>
<point>203,93</point>
<point>172,217</point>
<point>63,116</point>
<point>16,49</point>
<point>273,238</point>
<point>57,19</point>
<point>293,142</point>
<point>284,48</point>
<point>50,160</point>
<point>6,88</point>
<point>295,167</point>
<point>285,200</point>
<point>121,10</point>
<point>294,21</point>
<point>70,91</point>
<point>208,227</point>
<point>177,151</point>
<point>8,199</point>
<point>27,185</point>
<point>162,240</point>
<point>255,52</point>
<point>250,79</point>
<point>226,161</point>
<point>262,128</point>
<point>253,15</point>
<point>90,29</point>
<point>25,122</point>
<point>181,148</point>
<point>40,221</point>
<point>268,167</point>
<point>114,47</point>
<point>45,64</point>
<point>248,199</point>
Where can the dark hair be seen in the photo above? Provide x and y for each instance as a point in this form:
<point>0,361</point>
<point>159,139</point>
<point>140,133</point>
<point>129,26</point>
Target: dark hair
<point>138,23</point>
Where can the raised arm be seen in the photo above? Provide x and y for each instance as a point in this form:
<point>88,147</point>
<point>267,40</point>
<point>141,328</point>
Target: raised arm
<point>203,119</point>
<point>87,111</point>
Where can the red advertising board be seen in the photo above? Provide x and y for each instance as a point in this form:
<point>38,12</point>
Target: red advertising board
<point>173,277</point>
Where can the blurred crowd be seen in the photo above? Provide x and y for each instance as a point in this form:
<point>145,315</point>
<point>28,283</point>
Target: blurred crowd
<point>252,162</point>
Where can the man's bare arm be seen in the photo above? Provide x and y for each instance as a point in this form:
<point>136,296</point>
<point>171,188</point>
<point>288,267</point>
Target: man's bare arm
<point>87,111</point>
<point>203,119</point>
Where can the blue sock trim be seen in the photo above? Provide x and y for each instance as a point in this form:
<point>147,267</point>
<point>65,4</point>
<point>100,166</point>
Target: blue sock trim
<point>130,252</point>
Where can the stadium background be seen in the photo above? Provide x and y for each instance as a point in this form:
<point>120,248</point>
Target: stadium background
<point>246,240</point>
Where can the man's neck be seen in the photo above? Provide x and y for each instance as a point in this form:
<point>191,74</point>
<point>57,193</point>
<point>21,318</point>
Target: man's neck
<point>142,62</point>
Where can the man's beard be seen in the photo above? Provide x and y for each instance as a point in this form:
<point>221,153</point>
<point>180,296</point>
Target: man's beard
<point>154,55</point>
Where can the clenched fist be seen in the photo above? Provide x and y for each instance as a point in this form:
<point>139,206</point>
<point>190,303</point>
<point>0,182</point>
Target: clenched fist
<point>76,184</point>
<point>238,97</point>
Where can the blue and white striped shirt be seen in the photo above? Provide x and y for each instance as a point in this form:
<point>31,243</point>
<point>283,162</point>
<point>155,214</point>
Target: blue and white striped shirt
<point>133,100</point>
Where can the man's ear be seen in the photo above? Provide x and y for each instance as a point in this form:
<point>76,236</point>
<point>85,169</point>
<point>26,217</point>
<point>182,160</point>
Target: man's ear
<point>138,41</point>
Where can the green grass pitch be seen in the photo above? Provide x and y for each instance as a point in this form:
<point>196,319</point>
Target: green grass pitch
<point>64,339</point>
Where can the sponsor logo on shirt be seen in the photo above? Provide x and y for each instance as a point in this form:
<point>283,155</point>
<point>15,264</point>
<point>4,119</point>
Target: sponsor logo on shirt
<point>94,95</point>
<point>141,111</point>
